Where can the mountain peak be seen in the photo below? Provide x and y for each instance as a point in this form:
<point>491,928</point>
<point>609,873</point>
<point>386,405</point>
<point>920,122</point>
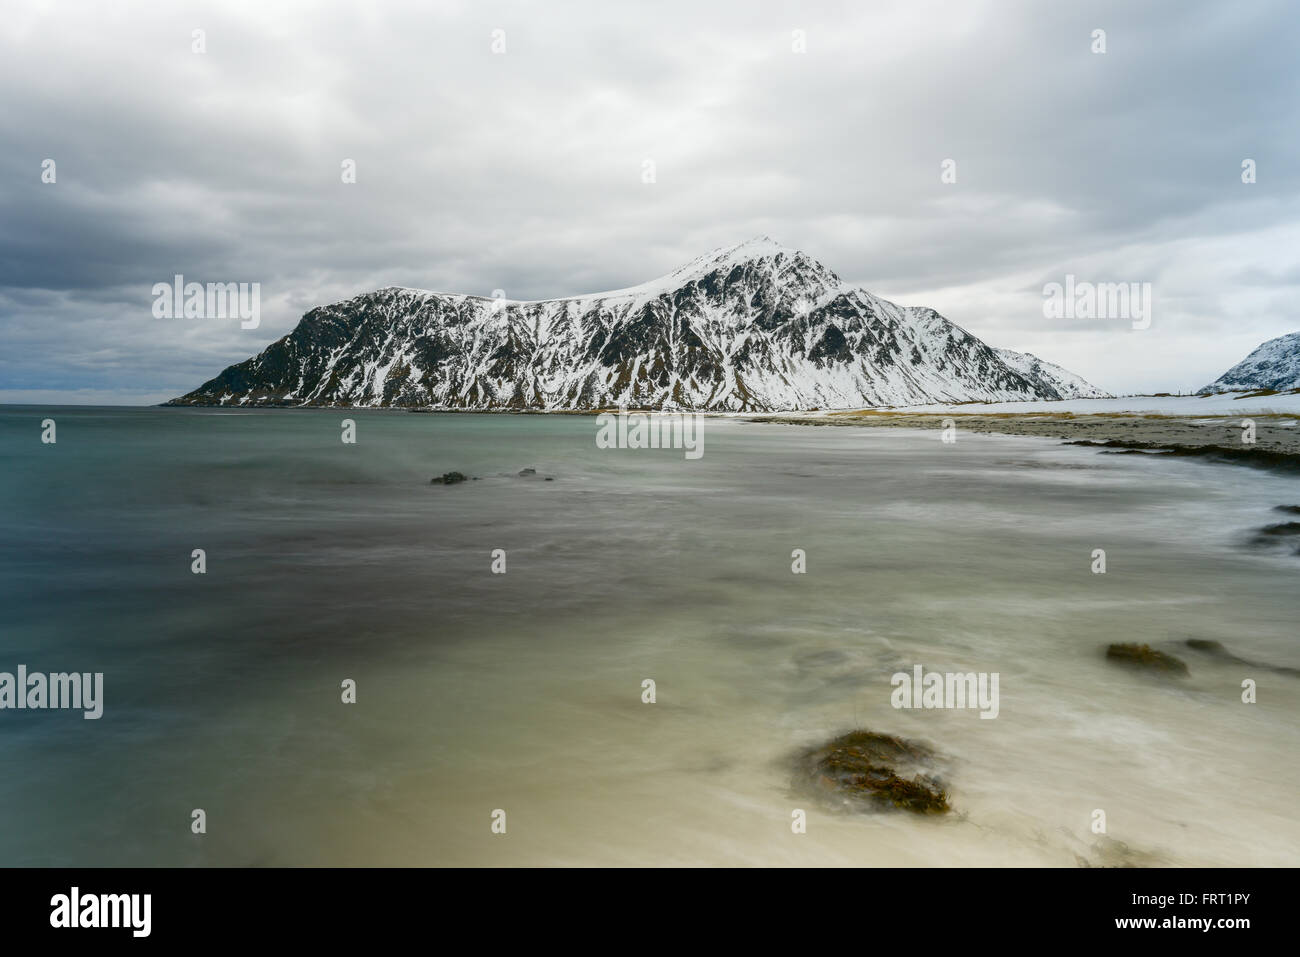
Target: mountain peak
<point>779,260</point>
<point>755,248</point>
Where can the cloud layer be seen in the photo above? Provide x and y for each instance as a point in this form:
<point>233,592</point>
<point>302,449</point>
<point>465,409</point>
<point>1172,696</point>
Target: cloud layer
<point>523,170</point>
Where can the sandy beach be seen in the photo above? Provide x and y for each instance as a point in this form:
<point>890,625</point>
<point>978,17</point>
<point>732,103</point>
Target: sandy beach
<point>1209,426</point>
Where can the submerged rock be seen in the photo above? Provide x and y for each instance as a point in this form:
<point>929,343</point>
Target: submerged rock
<point>1216,650</point>
<point>865,770</point>
<point>1279,530</point>
<point>447,478</point>
<point>1147,657</point>
<point>1279,533</point>
<point>1258,458</point>
<point>1108,852</point>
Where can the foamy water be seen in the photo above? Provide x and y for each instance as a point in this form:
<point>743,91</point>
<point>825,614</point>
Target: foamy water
<point>523,691</point>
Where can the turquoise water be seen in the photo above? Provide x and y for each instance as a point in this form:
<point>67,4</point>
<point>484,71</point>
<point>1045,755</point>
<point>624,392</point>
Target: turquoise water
<point>479,691</point>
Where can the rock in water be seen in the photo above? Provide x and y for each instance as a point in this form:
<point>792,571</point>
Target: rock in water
<point>865,770</point>
<point>1146,657</point>
<point>1276,532</point>
<point>447,478</point>
<point>1216,650</point>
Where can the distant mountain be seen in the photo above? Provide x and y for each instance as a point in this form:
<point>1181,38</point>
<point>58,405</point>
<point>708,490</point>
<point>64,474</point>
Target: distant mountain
<point>1274,365</point>
<point>751,327</point>
<point>1051,377</point>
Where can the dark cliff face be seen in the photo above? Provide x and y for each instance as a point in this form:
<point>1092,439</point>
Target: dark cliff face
<point>755,327</point>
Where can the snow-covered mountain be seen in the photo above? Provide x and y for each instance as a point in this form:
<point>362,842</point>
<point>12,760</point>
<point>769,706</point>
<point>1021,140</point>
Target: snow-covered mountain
<point>1274,365</point>
<point>1051,377</point>
<point>750,327</point>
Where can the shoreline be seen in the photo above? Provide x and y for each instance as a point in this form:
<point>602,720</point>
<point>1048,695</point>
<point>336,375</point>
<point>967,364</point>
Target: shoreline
<point>1175,426</point>
<point>1276,445</point>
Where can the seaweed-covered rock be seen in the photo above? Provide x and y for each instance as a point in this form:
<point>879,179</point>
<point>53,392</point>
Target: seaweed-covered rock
<point>1146,657</point>
<point>867,770</point>
<point>447,478</point>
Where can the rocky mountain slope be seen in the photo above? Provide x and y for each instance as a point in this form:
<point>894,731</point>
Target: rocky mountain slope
<point>1273,365</point>
<point>751,327</point>
<point>1051,377</point>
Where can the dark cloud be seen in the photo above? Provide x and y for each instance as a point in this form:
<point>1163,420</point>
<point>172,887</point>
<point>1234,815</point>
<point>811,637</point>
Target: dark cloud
<point>523,171</point>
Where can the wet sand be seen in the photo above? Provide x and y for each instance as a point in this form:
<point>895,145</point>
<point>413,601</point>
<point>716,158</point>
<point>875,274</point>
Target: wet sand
<point>1277,438</point>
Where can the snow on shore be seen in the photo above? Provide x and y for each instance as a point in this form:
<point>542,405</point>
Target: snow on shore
<point>1222,404</point>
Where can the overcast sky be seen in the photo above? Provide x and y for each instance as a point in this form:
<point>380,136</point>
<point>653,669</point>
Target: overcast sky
<point>523,170</point>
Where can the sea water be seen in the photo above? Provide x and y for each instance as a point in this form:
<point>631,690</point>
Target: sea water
<point>476,692</point>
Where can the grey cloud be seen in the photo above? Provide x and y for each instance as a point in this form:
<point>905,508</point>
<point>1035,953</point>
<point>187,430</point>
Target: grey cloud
<point>522,172</point>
